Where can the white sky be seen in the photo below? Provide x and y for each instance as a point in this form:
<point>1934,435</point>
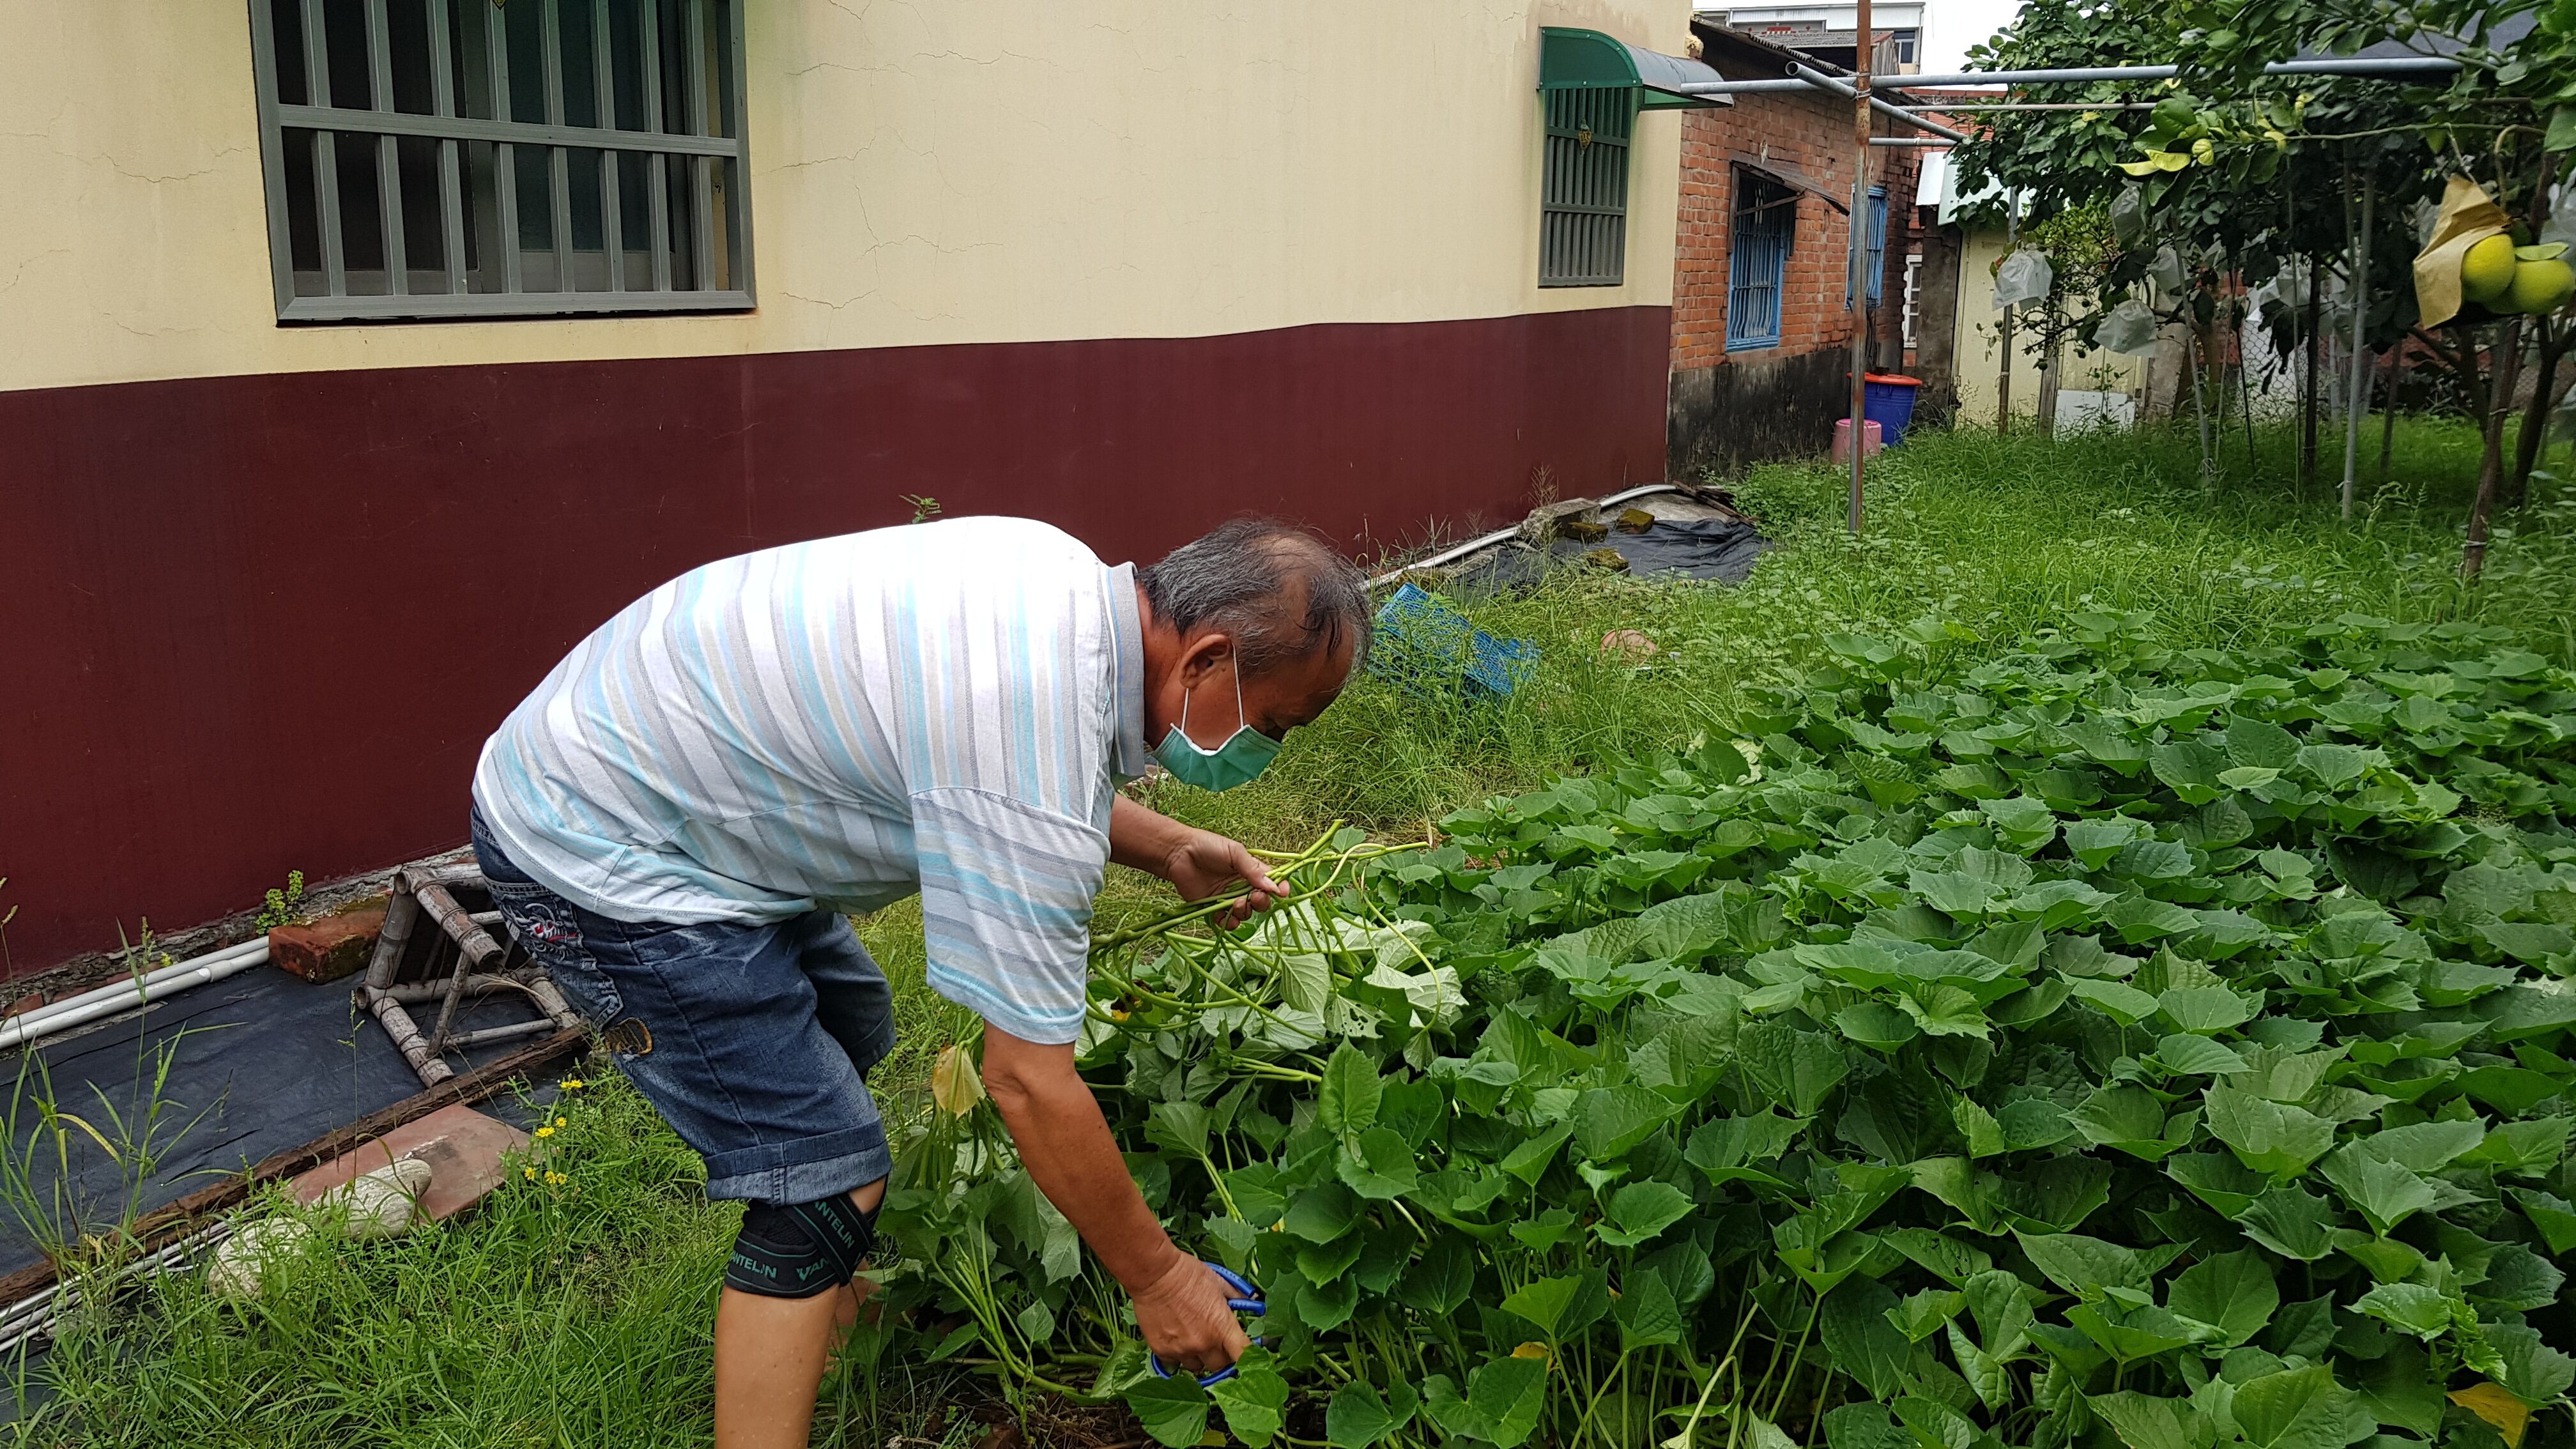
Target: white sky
<point>1951,26</point>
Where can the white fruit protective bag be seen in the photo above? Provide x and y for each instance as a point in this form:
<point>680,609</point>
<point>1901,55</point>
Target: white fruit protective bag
<point>2025,276</point>
<point>2128,329</point>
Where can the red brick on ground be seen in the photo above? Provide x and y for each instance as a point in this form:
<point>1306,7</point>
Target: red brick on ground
<point>329,948</point>
<point>463,1148</point>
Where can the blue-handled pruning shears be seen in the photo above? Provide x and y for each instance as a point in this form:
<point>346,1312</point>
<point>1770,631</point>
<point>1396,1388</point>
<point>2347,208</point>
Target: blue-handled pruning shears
<point>1248,1300</point>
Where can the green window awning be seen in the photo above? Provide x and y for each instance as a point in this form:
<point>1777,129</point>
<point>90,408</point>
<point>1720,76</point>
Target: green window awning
<point>1587,60</point>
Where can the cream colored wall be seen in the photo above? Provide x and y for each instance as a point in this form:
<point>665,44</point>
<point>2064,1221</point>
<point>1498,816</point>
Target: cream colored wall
<point>1978,355</point>
<point>965,171</point>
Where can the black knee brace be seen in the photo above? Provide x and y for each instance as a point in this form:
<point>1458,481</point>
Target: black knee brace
<point>801,1249</point>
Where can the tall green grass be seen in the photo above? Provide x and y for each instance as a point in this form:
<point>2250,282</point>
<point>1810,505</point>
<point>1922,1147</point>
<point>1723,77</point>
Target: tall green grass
<point>1997,536</point>
<point>577,1313</point>
<point>573,1308</point>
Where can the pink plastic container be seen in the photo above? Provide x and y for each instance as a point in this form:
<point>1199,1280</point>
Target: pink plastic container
<point>1870,445</point>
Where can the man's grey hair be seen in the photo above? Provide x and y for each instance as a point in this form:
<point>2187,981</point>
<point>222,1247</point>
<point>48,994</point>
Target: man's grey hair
<point>1279,591</point>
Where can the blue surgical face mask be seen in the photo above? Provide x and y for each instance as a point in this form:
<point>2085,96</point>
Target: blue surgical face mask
<point>1245,753</point>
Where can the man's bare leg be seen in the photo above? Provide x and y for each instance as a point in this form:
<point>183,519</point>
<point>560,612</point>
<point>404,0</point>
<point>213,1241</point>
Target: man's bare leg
<point>770,1354</point>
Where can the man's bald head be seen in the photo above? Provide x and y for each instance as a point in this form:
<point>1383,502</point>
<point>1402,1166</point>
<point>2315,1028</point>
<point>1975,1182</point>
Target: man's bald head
<point>1280,593</point>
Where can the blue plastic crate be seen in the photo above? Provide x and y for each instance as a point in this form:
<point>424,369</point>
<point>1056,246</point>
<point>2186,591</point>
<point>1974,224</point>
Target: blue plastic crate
<point>1424,645</point>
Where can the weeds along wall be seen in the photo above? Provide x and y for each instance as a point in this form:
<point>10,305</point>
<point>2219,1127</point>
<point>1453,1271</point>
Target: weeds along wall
<point>1130,268</point>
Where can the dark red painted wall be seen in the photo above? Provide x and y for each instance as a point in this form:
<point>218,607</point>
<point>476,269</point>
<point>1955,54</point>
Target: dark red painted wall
<point>251,624</point>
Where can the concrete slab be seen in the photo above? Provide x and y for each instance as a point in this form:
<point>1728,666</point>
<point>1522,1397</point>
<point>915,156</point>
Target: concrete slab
<point>463,1148</point>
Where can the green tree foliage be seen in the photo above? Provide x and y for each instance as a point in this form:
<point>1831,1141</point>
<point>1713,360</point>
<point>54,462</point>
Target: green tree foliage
<point>2225,172</point>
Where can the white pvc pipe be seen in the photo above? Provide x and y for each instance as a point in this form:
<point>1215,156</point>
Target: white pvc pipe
<point>129,986</point>
<point>1498,535</point>
<point>36,1316</point>
<point>126,995</point>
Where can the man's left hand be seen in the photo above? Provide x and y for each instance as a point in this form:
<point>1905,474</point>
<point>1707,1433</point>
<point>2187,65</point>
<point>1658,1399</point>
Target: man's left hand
<point>1204,863</point>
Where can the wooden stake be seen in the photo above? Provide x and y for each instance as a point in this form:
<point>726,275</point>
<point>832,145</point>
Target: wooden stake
<point>2308,390</point>
<point>2244,379</point>
<point>2049,383</point>
<point>2495,400</point>
<point>456,921</point>
<point>2547,391</point>
<point>476,984</point>
<point>398,1025</point>
<point>2388,408</point>
<point>402,913</point>
<point>2199,408</point>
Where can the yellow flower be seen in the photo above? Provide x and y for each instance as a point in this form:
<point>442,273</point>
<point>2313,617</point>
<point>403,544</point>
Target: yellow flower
<point>572,1084</point>
<point>562,1122</point>
<point>545,1132</point>
<point>531,1172</point>
<point>557,1178</point>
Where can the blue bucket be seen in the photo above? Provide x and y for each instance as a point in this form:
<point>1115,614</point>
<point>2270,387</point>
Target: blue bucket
<point>1888,400</point>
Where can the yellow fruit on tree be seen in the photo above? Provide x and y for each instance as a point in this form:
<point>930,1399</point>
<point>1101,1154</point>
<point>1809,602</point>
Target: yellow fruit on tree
<point>2486,273</point>
<point>2540,288</point>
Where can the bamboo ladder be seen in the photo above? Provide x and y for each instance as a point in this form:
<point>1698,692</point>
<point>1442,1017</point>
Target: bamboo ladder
<point>457,962</point>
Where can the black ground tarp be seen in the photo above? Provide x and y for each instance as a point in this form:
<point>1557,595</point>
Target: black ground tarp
<point>257,1064</point>
<point>1699,548</point>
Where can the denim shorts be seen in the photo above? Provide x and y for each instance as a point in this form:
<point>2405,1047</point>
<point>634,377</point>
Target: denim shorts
<point>753,1042</point>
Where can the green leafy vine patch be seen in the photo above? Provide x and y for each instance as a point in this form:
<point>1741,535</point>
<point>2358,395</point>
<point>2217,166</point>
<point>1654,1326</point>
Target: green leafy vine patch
<point>2096,1044</point>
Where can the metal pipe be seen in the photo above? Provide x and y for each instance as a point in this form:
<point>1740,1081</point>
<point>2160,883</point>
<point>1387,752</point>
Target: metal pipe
<point>1814,77</point>
<point>126,998</point>
<point>1909,141</point>
<point>2357,395</point>
<point>2352,66</point>
<point>1951,107</point>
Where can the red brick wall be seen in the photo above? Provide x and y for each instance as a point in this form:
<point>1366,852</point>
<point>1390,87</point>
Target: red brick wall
<point>1810,133</point>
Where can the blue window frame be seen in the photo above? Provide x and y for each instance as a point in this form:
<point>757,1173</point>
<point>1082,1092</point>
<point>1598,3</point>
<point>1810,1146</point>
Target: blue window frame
<point>1876,260</point>
<point>1766,216</point>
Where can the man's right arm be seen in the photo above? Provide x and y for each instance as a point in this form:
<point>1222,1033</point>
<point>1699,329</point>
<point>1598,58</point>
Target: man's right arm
<point>1065,1144</point>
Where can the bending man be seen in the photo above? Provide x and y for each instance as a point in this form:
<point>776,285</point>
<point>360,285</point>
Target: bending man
<point>675,822</point>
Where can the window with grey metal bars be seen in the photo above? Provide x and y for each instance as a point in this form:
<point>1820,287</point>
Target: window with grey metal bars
<point>502,158</point>
<point>1757,260</point>
<point>1583,207</point>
